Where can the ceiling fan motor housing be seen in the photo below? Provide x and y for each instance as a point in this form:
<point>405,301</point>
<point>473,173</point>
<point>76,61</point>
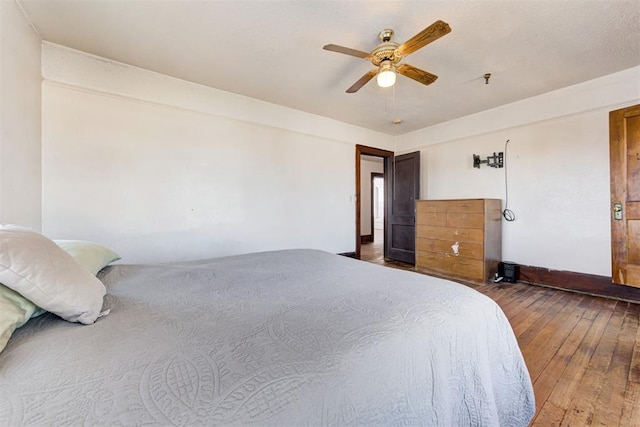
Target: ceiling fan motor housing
<point>385,51</point>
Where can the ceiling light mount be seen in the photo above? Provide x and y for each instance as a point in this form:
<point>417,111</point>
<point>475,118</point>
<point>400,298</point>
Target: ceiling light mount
<point>385,35</point>
<point>487,76</point>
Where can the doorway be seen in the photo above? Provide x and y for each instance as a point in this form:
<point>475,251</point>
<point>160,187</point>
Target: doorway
<point>365,157</point>
<point>377,206</point>
<point>372,239</point>
<point>401,190</point>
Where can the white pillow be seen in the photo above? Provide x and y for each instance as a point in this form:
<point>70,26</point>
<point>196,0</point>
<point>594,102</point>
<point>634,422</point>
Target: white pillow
<point>39,270</point>
<point>93,256</point>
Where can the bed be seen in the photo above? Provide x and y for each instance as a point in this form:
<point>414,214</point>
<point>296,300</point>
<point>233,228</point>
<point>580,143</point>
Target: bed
<point>294,337</point>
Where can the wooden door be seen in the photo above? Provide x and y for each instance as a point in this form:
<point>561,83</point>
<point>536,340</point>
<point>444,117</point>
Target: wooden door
<point>403,189</point>
<point>624,145</point>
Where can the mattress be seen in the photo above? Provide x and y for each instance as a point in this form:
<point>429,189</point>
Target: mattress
<point>297,337</point>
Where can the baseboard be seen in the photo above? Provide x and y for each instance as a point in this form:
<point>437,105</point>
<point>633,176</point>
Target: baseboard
<point>366,239</point>
<point>591,284</point>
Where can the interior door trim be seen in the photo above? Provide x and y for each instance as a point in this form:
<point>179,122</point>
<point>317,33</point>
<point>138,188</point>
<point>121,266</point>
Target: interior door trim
<point>375,175</point>
<point>371,151</point>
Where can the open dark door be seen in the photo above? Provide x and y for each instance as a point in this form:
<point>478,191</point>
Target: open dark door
<point>403,189</point>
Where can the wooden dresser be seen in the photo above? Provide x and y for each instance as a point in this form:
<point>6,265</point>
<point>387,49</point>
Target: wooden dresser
<point>461,239</point>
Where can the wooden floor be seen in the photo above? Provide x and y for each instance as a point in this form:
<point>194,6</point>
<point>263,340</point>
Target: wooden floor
<point>582,352</point>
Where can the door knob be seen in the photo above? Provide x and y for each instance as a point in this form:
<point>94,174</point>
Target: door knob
<point>617,211</point>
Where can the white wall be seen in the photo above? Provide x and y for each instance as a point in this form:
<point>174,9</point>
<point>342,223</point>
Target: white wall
<point>558,170</point>
<point>366,168</point>
<point>161,169</point>
<point>20,129</point>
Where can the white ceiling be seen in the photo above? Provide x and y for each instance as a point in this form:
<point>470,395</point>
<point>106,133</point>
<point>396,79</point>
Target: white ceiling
<point>272,50</point>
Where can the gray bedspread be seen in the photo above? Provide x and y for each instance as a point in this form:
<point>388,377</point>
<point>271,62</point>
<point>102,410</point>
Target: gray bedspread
<point>290,338</point>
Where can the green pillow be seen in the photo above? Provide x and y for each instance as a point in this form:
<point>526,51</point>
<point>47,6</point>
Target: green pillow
<point>93,256</point>
<point>15,311</point>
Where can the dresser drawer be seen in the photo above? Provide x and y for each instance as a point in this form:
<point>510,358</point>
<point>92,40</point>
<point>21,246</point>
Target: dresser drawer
<point>469,235</point>
<point>465,206</point>
<point>465,220</point>
<point>451,247</point>
<point>464,268</point>
<point>431,218</point>
<point>431,206</point>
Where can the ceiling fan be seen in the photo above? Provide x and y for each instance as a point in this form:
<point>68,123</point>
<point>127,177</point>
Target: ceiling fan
<point>387,55</point>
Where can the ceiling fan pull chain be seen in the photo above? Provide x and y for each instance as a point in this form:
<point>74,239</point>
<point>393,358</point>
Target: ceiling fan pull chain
<point>393,103</point>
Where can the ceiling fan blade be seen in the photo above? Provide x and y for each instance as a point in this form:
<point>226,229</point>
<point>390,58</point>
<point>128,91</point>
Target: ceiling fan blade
<point>347,51</point>
<point>431,33</point>
<point>362,81</point>
<point>416,74</point>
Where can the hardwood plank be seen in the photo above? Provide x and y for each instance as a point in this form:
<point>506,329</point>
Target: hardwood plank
<point>611,399</point>
<point>523,301</point>
<point>541,335</point>
<point>549,415</point>
<point>506,294</point>
<point>631,405</point>
<point>566,388</point>
<point>526,317</point>
<point>583,406</point>
<point>542,315</point>
<point>593,312</point>
<point>543,349</point>
<point>509,300</point>
<point>553,372</point>
<point>634,369</point>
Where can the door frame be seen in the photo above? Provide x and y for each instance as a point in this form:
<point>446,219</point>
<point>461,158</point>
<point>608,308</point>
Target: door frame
<point>370,151</point>
<point>375,175</point>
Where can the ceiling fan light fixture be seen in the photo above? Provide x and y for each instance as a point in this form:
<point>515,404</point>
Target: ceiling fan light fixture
<point>387,55</point>
<point>386,75</point>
